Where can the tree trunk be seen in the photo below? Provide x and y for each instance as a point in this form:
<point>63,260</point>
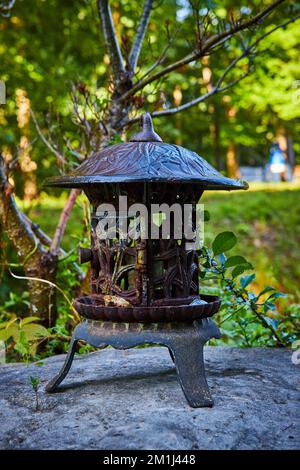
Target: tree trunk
<point>36,260</point>
<point>231,160</point>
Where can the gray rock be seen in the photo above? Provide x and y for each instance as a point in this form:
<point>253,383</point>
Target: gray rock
<point>132,400</point>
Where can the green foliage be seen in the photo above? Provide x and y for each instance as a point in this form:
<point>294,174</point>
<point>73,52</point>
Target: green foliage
<point>266,221</point>
<point>252,318</point>
<point>35,382</point>
<point>223,242</point>
<point>22,335</point>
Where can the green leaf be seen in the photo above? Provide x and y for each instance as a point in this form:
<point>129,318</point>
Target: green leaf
<point>269,306</point>
<point>246,280</point>
<point>276,295</point>
<point>33,331</point>
<point>27,320</point>
<point>34,382</point>
<point>13,330</point>
<point>21,345</point>
<point>238,270</point>
<point>222,259</point>
<point>6,324</point>
<point>21,349</point>
<point>5,334</point>
<point>223,242</point>
<point>235,260</point>
<point>265,290</point>
<point>271,321</point>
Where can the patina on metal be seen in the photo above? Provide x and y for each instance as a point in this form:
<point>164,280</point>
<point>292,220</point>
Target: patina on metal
<point>145,158</point>
<point>185,342</point>
<point>153,282</point>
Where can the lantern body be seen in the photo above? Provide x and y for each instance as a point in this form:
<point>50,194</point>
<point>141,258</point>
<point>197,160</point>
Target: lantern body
<point>152,276</point>
<point>145,287</point>
<point>138,267</point>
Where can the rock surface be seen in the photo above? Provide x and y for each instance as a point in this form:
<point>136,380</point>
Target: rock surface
<point>132,400</point>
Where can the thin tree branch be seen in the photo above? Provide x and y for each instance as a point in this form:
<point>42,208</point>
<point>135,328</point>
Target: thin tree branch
<point>19,232</point>
<point>42,236</point>
<point>161,57</point>
<point>46,141</point>
<point>112,45</point>
<point>138,40</point>
<point>204,50</point>
<point>60,229</point>
<point>217,88</point>
<point>46,240</point>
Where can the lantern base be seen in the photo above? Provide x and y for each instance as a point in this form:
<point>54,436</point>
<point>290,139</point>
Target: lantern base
<point>185,342</point>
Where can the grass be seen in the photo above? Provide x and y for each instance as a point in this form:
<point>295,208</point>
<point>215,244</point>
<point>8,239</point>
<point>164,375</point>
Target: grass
<point>266,220</point>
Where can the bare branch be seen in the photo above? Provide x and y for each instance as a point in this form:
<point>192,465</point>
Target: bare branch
<point>52,149</point>
<point>138,40</point>
<point>61,226</point>
<point>161,57</point>
<point>217,88</point>
<point>204,50</point>
<point>18,231</point>
<point>112,45</point>
<point>42,236</point>
<point>46,240</point>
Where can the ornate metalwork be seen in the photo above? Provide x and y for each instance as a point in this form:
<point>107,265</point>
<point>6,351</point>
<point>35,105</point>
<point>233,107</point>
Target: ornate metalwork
<point>146,159</point>
<point>164,310</point>
<point>152,281</point>
<point>185,342</point>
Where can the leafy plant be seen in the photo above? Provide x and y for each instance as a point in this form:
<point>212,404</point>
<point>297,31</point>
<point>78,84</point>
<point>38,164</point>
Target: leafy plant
<point>35,382</point>
<point>255,316</point>
<point>23,335</point>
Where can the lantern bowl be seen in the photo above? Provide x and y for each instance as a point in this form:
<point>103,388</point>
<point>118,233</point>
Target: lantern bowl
<point>93,307</point>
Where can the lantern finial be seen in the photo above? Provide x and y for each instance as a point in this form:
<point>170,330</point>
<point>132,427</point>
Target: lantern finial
<point>147,134</point>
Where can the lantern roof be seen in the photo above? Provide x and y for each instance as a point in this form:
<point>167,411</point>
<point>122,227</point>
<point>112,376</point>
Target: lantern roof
<point>146,158</point>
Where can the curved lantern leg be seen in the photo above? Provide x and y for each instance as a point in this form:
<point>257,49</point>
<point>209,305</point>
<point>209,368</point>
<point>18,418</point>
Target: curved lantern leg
<point>53,384</point>
<point>185,342</point>
<point>80,333</point>
<point>187,354</point>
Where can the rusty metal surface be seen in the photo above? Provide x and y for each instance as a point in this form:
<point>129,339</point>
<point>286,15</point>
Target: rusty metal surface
<point>147,133</point>
<point>146,159</point>
<point>122,269</point>
<point>185,342</point>
<point>92,307</point>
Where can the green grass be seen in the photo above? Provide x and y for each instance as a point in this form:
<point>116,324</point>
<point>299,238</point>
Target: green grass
<point>266,220</point>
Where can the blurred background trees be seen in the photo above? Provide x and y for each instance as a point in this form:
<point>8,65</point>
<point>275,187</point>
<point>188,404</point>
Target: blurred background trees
<point>59,82</point>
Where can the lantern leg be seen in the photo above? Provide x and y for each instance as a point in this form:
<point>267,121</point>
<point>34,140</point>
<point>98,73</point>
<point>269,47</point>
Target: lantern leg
<point>54,383</point>
<point>187,354</point>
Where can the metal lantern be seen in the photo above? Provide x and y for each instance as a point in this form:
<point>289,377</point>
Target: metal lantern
<point>146,290</point>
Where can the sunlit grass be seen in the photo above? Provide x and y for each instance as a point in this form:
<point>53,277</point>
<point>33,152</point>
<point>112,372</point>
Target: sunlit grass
<point>257,186</point>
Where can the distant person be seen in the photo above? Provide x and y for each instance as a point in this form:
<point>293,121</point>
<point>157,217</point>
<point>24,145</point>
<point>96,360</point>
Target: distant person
<point>277,162</point>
